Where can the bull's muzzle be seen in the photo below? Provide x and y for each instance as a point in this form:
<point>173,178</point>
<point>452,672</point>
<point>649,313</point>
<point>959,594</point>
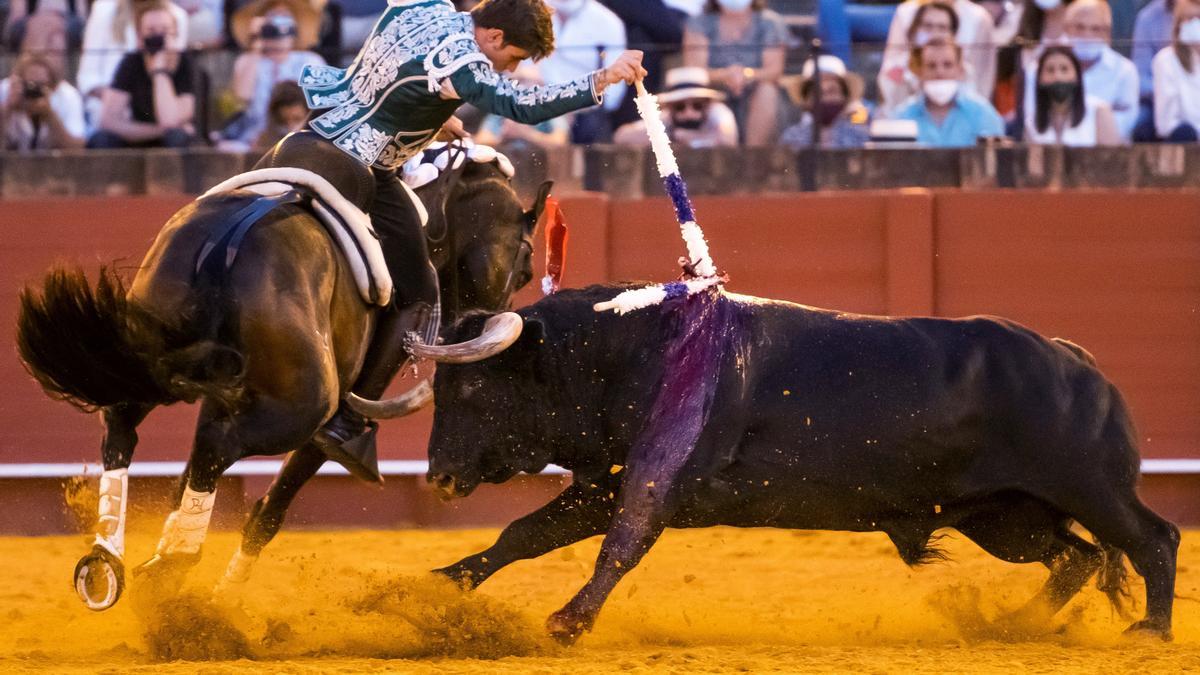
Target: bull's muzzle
<point>448,486</point>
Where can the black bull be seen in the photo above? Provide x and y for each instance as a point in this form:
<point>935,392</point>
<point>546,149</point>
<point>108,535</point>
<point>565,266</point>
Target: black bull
<point>819,420</point>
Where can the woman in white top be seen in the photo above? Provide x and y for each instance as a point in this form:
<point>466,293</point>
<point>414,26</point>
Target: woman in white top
<point>1177,78</point>
<point>1063,112</point>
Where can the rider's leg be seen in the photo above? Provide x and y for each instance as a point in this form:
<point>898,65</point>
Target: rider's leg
<point>413,309</point>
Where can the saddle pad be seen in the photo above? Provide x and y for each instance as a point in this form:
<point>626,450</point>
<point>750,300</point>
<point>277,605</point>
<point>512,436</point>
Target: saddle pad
<point>349,226</point>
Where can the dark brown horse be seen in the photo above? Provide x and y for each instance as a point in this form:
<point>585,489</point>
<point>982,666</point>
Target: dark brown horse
<point>269,349</point>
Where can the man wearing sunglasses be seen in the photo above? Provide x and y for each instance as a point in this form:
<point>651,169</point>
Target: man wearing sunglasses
<point>694,114</point>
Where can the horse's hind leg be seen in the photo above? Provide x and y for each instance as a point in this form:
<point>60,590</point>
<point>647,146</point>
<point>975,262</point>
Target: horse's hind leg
<point>266,517</point>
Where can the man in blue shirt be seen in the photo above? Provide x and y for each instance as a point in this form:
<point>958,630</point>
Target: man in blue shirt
<point>947,114</point>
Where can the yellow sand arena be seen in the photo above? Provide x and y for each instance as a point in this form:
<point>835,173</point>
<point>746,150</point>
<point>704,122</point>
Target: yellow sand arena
<point>718,600</point>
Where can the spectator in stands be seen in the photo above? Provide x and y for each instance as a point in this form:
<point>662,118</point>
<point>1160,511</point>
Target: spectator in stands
<point>1177,78</point>
<point>584,31</point>
<point>358,18</point>
<point>552,133</point>
<point>275,35</point>
<point>1042,22</point>
<point>840,114</point>
<point>656,28</point>
<point>973,35</point>
<point>935,19</point>
<point>693,113</point>
<point>1006,17</point>
<point>743,46</point>
<point>1151,33</point>
<point>947,113</point>
<point>1107,75</point>
<point>150,102</point>
<point>1064,112</point>
<point>38,109</point>
<point>48,27</point>
<point>111,33</point>
<point>286,112</point>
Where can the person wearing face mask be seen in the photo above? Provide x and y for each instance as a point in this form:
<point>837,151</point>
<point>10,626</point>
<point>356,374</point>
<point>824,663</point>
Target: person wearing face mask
<point>973,32</point>
<point>421,62</point>
<point>742,44</point>
<point>587,36</point>
<point>276,35</point>
<point>947,114</point>
<point>151,101</point>
<point>1177,78</point>
<point>1065,113</point>
<point>693,113</point>
<point>935,19</point>
<point>842,118</point>
<point>38,109</point>
<point>1151,32</point>
<point>1107,75</point>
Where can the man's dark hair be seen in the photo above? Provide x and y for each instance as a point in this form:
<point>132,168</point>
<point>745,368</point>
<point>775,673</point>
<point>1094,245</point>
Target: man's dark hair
<point>526,24</point>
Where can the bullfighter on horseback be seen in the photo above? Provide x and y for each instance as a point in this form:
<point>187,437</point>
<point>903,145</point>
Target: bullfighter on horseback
<point>421,61</point>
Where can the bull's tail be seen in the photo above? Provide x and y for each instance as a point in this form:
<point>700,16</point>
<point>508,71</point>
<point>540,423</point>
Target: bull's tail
<point>1113,580</point>
<point>88,346</point>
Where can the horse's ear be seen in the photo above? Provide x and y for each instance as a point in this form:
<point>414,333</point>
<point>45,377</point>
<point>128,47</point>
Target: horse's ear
<point>539,204</point>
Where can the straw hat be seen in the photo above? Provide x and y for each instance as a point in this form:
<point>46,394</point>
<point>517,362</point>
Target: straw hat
<point>307,21</point>
<point>683,84</point>
<point>800,88</point>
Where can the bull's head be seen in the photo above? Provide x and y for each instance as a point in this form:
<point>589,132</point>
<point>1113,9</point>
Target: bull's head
<point>482,418</point>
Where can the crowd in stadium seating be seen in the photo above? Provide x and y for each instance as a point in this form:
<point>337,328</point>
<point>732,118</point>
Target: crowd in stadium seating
<point>951,73</point>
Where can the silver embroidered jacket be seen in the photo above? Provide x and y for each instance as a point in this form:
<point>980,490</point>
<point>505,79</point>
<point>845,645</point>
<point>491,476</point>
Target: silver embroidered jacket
<point>420,63</point>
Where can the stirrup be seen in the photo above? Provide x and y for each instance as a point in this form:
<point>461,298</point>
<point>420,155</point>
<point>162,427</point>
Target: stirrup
<point>357,454</point>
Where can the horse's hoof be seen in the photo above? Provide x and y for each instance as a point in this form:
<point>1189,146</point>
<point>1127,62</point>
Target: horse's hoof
<point>566,628</point>
<point>99,579</point>
<point>1151,628</point>
<point>462,577</point>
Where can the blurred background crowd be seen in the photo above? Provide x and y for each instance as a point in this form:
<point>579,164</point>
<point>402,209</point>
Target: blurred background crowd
<point>934,73</point>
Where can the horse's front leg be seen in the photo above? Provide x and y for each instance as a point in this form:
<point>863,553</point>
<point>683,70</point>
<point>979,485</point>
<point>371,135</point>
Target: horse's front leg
<point>643,514</point>
<point>100,575</point>
<point>268,513</point>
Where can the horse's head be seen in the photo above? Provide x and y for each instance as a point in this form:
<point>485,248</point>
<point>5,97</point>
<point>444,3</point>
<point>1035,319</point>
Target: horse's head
<point>486,253</point>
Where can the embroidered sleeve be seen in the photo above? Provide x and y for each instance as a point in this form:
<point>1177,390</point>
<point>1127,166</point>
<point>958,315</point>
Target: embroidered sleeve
<point>480,85</point>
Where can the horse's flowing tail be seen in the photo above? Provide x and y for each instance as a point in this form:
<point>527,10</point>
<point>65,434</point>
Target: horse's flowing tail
<point>88,346</point>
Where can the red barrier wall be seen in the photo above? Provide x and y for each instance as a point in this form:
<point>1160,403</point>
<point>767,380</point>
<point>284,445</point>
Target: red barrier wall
<point>1118,272</point>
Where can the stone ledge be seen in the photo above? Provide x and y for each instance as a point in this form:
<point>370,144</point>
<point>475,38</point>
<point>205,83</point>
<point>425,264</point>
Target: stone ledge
<point>630,172</point>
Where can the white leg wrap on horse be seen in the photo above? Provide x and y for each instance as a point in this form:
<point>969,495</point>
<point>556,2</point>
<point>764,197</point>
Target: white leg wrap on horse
<point>186,527</point>
<point>239,568</point>
<point>110,529</point>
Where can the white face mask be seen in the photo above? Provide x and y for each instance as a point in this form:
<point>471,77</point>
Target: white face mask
<point>567,7</point>
<point>1189,31</point>
<point>1087,49</point>
<point>734,5</point>
<point>940,92</point>
<point>1048,5</point>
<point>921,38</point>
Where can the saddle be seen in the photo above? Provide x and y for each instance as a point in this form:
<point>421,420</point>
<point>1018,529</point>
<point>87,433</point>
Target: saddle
<point>346,222</point>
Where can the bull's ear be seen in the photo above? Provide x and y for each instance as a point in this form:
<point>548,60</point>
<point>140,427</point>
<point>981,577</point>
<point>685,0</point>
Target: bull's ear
<point>533,334</point>
<point>539,205</point>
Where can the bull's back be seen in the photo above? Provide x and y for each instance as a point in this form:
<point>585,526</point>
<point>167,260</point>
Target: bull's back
<point>920,399</point>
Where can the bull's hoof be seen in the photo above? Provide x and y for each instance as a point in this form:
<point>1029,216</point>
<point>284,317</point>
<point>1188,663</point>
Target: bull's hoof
<point>566,627</point>
<point>99,579</point>
<point>1151,628</point>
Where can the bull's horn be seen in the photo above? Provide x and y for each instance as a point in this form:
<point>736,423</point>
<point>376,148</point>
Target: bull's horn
<point>405,404</point>
<point>499,332</point>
